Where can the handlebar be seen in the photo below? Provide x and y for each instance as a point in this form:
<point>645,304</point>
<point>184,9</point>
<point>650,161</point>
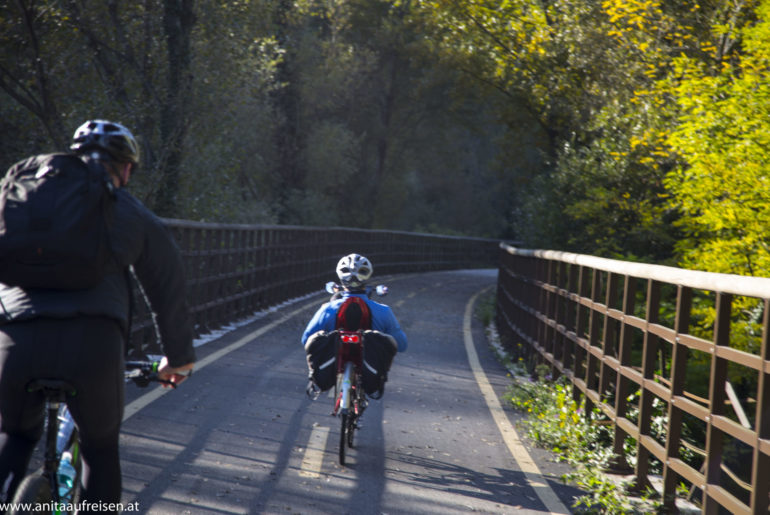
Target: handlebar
<point>143,372</point>
<point>380,290</point>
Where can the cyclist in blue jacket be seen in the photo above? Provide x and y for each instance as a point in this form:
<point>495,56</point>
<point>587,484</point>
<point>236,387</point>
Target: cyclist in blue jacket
<point>353,271</point>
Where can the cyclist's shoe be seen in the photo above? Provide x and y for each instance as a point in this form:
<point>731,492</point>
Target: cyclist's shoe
<point>362,406</point>
<point>312,390</point>
<point>357,421</point>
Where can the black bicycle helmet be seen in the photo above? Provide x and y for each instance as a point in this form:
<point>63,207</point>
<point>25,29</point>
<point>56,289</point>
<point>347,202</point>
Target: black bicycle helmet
<point>111,137</point>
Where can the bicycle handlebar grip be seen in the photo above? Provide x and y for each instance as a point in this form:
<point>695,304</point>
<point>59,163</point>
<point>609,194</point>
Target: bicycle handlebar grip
<point>147,371</point>
<point>144,366</point>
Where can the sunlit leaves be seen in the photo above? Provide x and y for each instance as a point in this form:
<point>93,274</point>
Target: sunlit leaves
<point>723,135</point>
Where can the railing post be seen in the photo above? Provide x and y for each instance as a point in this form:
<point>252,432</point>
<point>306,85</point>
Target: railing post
<point>608,339</point>
<point>675,414</point>
<point>717,397</point>
<point>760,470</point>
<point>198,265</point>
<point>582,317</point>
<point>541,334</point>
<point>559,318</point>
<point>570,320</point>
<point>206,287</point>
<point>252,264</point>
<point>649,357</point>
<point>550,290</point>
<point>622,385</point>
<point>592,367</point>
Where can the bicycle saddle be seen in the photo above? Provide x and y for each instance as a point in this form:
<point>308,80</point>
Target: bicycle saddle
<point>51,387</point>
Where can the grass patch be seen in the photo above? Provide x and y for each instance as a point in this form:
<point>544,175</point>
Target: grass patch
<point>556,422</point>
<point>486,308</point>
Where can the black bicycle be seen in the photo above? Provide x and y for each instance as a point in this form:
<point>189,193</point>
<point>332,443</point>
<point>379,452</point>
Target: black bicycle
<point>55,486</point>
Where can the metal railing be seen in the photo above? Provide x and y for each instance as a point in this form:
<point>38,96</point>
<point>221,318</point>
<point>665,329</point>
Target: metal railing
<point>680,340</point>
<point>233,271</point>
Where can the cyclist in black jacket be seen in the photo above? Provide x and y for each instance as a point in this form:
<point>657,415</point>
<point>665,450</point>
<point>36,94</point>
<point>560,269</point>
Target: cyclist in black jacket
<point>78,335</point>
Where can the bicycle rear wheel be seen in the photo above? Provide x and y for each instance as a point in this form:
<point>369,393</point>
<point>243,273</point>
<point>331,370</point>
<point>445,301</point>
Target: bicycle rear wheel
<point>33,490</point>
<point>351,429</point>
<point>343,436</point>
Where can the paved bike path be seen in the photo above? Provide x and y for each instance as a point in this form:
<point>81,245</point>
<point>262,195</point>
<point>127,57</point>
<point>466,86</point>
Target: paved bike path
<point>241,436</point>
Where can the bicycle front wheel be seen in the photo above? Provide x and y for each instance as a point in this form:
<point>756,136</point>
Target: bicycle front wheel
<point>32,491</point>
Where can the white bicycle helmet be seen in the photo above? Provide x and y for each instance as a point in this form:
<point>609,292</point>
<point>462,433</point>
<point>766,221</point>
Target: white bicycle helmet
<point>354,270</point>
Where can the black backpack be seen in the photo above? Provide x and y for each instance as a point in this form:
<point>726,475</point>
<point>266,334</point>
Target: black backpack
<point>55,213</point>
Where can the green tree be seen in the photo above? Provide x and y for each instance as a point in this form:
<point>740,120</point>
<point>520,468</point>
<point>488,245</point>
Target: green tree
<point>64,62</point>
<point>586,73</point>
<point>229,150</point>
<point>378,138</point>
<point>723,137</point>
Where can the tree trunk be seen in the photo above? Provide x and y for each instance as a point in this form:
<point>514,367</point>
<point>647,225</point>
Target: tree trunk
<point>178,21</point>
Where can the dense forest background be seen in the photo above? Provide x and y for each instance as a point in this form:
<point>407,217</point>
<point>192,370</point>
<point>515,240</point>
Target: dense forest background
<point>622,128</point>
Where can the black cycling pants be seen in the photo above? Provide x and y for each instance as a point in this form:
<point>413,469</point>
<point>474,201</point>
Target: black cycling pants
<point>87,352</point>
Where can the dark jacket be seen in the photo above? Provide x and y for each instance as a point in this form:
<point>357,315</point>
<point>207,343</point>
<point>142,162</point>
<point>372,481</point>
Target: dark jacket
<point>138,238</point>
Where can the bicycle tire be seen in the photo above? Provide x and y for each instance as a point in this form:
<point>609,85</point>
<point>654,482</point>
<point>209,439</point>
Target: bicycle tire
<point>351,429</point>
<point>343,437</point>
<point>353,418</point>
<point>33,490</point>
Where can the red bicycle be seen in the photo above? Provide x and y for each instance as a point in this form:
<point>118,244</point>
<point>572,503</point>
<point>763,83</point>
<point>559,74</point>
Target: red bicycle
<point>350,400</point>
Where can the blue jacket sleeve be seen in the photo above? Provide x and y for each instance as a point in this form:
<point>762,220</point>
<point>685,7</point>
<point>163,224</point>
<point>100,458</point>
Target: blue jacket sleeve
<point>323,320</point>
<point>384,320</point>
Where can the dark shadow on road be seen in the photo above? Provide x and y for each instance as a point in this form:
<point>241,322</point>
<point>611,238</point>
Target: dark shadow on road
<point>506,487</point>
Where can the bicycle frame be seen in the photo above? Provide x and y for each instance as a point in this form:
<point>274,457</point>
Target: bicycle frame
<point>45,483</point>
<point>52,458</point>
<point>350,399</point>
<point>67,440</point>
<point>60,435</point>
<point>349,362</point>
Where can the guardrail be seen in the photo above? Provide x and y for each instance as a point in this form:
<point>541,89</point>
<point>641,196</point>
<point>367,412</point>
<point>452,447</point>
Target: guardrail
<point>233,271</point>
<point>617,329</point>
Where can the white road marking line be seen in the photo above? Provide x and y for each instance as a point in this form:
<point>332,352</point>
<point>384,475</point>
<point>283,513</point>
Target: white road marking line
<point>534,477</point>
<point>314,453</point>
<point>134,407</point>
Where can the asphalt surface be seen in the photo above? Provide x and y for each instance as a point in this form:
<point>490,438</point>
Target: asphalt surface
<point>241,436</point>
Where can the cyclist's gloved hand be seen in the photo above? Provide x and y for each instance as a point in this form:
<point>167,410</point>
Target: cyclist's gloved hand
<point>175,375</point>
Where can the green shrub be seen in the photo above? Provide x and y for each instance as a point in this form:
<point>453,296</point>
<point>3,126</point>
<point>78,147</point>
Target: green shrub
<point>555,421</point>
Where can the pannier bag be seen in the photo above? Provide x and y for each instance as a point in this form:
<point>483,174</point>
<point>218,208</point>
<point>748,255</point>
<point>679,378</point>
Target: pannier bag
<point>321,350</point>
<point>55,213</point>
<point>379,351</point>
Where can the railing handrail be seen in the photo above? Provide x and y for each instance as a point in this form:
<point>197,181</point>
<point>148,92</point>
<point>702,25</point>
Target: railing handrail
<point>748,286</point>
<point>235,226</point>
